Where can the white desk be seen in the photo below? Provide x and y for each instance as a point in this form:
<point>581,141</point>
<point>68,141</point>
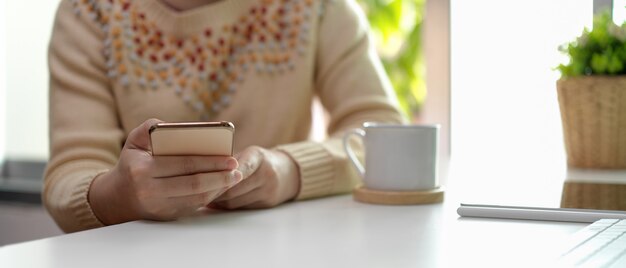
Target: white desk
<point>329,232</point>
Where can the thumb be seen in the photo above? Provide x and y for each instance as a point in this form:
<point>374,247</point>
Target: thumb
<point>249,160</point>
<point>139,138</point>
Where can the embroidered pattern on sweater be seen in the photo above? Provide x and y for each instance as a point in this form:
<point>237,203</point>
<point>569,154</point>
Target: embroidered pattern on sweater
<point>206,68</point>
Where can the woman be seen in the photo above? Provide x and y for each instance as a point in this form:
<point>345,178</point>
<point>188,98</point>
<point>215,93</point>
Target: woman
<point>114,64</point>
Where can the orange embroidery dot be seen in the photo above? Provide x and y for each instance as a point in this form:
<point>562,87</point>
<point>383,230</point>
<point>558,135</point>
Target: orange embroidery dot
<point>182,82</point>
<point>116,31</point>
<point>118,56</point>
<point>121,69</point>
<point>204,96</point>
<point>150,75</point>
<point>117,44</point>
<point>104,19</point>
<point>177,71</point>
<point>179,58</point>
<point>188,52</point>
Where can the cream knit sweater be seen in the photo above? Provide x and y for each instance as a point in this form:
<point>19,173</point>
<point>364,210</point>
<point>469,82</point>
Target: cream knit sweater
<point>256,63</point>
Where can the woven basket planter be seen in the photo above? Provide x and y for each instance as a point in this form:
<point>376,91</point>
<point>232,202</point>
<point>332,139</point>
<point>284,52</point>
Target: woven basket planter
<point>593,113</point>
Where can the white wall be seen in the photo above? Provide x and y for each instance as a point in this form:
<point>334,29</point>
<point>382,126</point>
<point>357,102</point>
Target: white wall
<point>28,24</point>
<point>436,46</point>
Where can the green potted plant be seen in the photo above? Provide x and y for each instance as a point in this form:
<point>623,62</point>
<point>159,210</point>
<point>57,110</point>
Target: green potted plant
<point>592,100</point>
<point>592,96</point>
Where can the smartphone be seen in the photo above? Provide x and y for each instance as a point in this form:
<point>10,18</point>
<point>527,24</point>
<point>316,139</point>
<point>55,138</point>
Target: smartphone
<point>193,138</point>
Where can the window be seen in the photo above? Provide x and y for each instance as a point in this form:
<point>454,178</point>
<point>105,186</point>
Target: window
<point>24,40</point>
<point>506,128</point>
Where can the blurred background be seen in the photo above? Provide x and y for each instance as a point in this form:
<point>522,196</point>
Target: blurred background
<point>483,68</point>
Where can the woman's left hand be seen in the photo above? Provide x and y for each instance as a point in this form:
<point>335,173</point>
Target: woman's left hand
<point>270,177</point>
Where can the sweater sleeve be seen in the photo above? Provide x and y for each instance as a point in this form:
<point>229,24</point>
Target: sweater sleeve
<point>353,88</point>
<point>85,133</point>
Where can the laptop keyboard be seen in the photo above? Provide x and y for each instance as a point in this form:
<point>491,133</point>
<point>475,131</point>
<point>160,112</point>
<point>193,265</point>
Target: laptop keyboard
<point>601,244</point>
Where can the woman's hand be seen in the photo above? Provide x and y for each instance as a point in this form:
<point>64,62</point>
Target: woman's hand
<point>270,177</point>
<point>142,186</point>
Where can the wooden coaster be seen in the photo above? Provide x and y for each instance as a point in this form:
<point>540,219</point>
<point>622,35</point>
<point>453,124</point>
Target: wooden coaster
<point>606,196</point>
<point>365,195</point>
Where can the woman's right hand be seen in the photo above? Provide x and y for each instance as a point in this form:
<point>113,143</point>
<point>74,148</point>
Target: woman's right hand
<point>142,186</point>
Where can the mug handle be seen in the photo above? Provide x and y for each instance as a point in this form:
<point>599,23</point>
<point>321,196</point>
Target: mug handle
<point>351,155</point>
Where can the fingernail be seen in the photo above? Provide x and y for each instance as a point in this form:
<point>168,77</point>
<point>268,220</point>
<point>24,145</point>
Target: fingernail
<point>231,163</point>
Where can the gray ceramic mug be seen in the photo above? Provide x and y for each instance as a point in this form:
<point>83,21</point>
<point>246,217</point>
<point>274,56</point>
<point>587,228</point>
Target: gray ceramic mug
<point>397,157</point>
